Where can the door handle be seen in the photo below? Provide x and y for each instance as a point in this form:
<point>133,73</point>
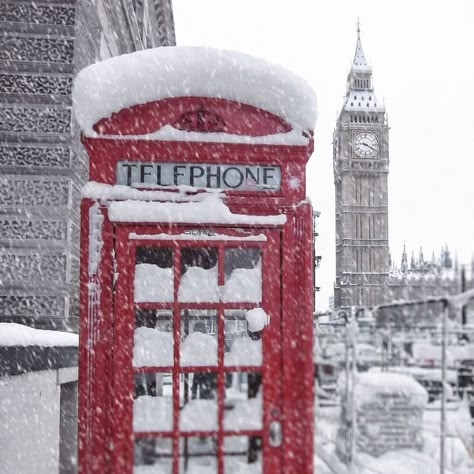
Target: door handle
<point>275,434</point>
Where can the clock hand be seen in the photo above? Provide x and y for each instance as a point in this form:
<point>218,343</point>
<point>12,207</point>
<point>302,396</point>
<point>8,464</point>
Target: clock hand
<point>366,144</point>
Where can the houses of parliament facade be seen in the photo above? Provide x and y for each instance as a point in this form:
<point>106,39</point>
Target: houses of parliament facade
<point>365,273</point>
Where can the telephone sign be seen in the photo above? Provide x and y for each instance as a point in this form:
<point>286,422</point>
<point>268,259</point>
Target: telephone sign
<point>199,175</point>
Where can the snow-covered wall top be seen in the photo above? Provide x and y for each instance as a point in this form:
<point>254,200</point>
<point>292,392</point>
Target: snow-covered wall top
<point>12,334</point>
<point>153,74</point>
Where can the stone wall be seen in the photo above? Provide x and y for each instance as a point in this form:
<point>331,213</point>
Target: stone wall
<point>42,162</point>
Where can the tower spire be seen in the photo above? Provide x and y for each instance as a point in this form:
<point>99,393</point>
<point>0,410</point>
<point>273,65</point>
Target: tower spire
<point>360,96</point>
<point>404,266</point>
<point>359,63</point>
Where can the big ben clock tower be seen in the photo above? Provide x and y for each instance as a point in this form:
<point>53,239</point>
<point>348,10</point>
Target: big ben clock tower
<point>361,161</point>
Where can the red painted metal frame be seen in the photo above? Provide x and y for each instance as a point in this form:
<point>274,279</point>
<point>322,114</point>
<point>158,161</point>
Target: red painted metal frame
<point>297,341</point>
<point>100,398</point>
<point>123,349</point>
<point>95,341</point>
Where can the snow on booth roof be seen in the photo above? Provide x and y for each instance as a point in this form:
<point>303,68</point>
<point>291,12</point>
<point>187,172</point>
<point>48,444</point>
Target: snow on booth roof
<point>188,71</point>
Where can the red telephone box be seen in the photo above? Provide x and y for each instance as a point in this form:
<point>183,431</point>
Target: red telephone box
<point>196,269</point>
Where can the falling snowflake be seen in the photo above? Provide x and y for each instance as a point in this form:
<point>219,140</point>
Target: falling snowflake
<point>295,183</point>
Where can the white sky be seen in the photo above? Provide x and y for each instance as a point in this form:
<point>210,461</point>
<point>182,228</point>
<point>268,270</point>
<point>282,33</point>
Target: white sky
<point>422,56</point>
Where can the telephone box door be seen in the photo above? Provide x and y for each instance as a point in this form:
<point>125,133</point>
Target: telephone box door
<point>197,353</point>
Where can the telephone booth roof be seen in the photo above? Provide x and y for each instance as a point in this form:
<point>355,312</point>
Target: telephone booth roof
<point>117,89</point>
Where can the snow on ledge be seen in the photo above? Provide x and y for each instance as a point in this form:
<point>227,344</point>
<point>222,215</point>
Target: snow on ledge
<point>195,235</point>
<point>210,210</point>
<point>169,134</point>
<point>101,191</point>
<point>12,334</point>
<point>188,71</point>
<point>370,384</point>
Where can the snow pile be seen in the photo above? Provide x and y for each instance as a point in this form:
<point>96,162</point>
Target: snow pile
<point>12,334</point>
<point>244,351</point>
<point>199,415</point>
<point>116,192</point>
<point>153,413</point>
<point>169,133</point>
<point>198,235</point>
<point>152,348</point>
<point>388,411</point>
<point>370,385</point>
<point>199,285</point>
<point>257,319</point>
<point>458,459</point>
<point>111,85</point>
<point>199,349</point>
<point>211,209</point>
<point>244,415</point>
<point>243,285</point>
<point>404,461</point>
<point>240,465</point>
<point>153,284</point>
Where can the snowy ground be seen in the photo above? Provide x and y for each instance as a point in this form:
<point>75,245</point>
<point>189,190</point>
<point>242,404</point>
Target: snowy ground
<point>459,446</point>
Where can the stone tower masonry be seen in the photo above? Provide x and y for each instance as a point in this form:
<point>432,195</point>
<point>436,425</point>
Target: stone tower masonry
<point>361,164</point>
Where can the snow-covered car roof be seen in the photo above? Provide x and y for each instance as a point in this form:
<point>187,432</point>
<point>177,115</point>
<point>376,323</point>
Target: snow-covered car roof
<point>186,71</point>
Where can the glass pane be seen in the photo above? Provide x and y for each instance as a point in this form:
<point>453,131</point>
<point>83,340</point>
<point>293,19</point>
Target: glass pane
<point>198,455</point>
<point>154,278</point>
<point>153,404</point>
<point>241,347</point>
<point>243,401</point>
<point>153,455</point>
<point>153,338</point>
<point>198,275</point>
<point>243,275</point>
<point>242,454</point>
<point>198,338</point>
<point>198,393</point>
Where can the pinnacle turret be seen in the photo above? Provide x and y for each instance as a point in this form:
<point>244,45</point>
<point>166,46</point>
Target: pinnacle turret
<point>360,96</point>
<point>404,266</point>
<point>360,63</point>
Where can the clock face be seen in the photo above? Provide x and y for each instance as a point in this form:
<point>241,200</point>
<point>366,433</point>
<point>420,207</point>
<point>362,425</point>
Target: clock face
<point>365,145</point>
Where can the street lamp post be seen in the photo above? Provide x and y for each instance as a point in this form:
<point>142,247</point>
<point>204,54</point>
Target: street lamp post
<point>350,371</point>
<point>442,441</point>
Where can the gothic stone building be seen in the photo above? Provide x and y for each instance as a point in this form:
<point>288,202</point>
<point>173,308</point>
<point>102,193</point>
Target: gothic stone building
<point>42,163</point>
<point>361,162</point>
<point>364,275</point>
